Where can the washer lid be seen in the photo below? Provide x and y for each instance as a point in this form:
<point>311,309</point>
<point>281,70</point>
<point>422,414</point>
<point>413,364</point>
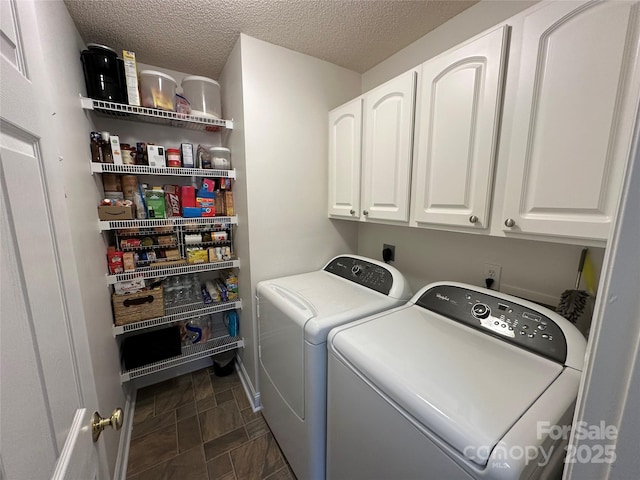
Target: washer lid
<point>466,387</point>
<point>319,301</point>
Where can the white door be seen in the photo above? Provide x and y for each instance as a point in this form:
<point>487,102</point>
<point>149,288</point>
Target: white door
<point>388,148</point>
<point>47,394</point>
<point>345,155</point>
<point>574,95</point>
<point>457,133</point>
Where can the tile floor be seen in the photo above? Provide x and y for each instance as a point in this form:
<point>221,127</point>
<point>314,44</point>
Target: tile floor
<point>201,427</point>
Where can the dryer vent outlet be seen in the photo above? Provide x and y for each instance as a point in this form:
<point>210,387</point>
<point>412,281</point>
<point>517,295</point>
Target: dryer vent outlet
<point>388,253</point>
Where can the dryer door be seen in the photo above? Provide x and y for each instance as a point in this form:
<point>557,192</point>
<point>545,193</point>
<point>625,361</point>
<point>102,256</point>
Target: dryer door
<point>282,315</point>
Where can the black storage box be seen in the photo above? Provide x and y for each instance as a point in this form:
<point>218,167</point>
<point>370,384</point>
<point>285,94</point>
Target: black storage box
<point>150,347</point>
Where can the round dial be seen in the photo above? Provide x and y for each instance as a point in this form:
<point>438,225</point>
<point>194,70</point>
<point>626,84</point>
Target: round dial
<point>356,269</point>
<point>480,310</point>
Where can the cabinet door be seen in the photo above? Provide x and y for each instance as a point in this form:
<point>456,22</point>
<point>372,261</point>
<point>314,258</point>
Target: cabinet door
<point>345,154</point>
<point>388,137</point>
<point>457,133</point>
<point>574,101</point>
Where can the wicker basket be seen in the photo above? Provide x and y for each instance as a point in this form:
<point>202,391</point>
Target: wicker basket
<point>134,307</point>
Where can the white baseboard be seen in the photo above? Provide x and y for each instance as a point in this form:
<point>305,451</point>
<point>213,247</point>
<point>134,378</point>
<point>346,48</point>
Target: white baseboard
<point>120,471</point>
<point>252,395</point>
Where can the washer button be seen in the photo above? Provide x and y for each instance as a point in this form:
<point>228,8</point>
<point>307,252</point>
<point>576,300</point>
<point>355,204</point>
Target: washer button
<point>542,326</point>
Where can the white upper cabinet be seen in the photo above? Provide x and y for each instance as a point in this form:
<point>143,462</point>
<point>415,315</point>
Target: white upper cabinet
<point>457,133</point>
<point>345,149</point>
<point>388,147</point>
<point>573,101</point>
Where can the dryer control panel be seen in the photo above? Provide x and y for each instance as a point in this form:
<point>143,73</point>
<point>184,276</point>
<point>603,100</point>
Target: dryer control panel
<point>362,272</point>
<point>507,320</point>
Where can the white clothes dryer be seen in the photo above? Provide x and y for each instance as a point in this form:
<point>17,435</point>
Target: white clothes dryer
<point>295,315</point>
<point>460,383</point>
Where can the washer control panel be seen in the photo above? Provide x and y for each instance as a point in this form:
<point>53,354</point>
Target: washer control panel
<point>507,320</point>
<point>363,273</point>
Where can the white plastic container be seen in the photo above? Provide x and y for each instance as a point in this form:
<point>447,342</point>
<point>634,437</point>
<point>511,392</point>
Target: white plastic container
<point>157,89</point>
<point>220,158</point>
<point>204,95</point>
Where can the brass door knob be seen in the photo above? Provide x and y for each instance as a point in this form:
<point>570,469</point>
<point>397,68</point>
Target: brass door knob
<point>98,423</point>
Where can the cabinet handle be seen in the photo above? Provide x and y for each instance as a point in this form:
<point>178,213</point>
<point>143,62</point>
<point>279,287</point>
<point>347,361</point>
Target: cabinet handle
<point>365,213</point>
<point>473,219</point>
<point>352,212</point>
<point>510,222</point>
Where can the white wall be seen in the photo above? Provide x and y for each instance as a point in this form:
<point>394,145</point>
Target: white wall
<point>539,271</point>
<point>287,96</point>
<point>233,108</point>
<point>62,45</point>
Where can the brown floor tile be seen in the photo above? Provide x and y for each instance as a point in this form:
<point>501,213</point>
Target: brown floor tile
<point>248,415</point>
<point>177,395</point>
<point>220,384</point>
<point>226,396</point>
<point>202,384</point>
<point>145,408</point>
<point>188,434</point>
<point>147,451</point>
<point>225,443</point>
<point>189,465</point>
<point>228,476</point>
<point>207,403</point>
<point>219,420</point>
<point>156,388</point>
<point>185,411</point>
<point>257,459</point>
<point>220,467</point>
<point>282,474</point>
<point>257,428</point>
<point>153,423</point>
<point>241,398</point>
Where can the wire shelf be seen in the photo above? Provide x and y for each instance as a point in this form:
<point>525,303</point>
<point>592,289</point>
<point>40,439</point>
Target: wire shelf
<point>155,272</point>
<point>169,171</point>
<point>153,115</point>
<point>166,222</point>
<point>178,314</point>
<point>189,354</point>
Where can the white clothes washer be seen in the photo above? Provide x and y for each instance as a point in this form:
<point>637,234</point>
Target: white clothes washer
<point>295,315</point>
<point>460,383</point>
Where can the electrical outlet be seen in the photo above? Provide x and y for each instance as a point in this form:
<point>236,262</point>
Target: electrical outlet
<point>392,255</point>
<point>492,271</point>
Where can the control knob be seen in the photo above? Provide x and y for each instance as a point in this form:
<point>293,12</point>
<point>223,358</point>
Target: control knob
<point>480,310</point>
<point>356,270</point>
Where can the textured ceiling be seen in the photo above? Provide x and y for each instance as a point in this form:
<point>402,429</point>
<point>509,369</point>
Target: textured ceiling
<point>196,36</point>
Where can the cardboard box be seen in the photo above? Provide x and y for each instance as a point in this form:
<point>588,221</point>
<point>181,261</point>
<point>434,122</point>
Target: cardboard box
<point>155,203</point>
<point>156,156</point>
<point>186,150</point>
<point>115,262</point>
<point>129,286</point>
<point>191,212</point>
<point>131,77</point>
<point>172,200</point>
<point>228,203</point>
<point>116,153</point>
<point>109,212</point>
